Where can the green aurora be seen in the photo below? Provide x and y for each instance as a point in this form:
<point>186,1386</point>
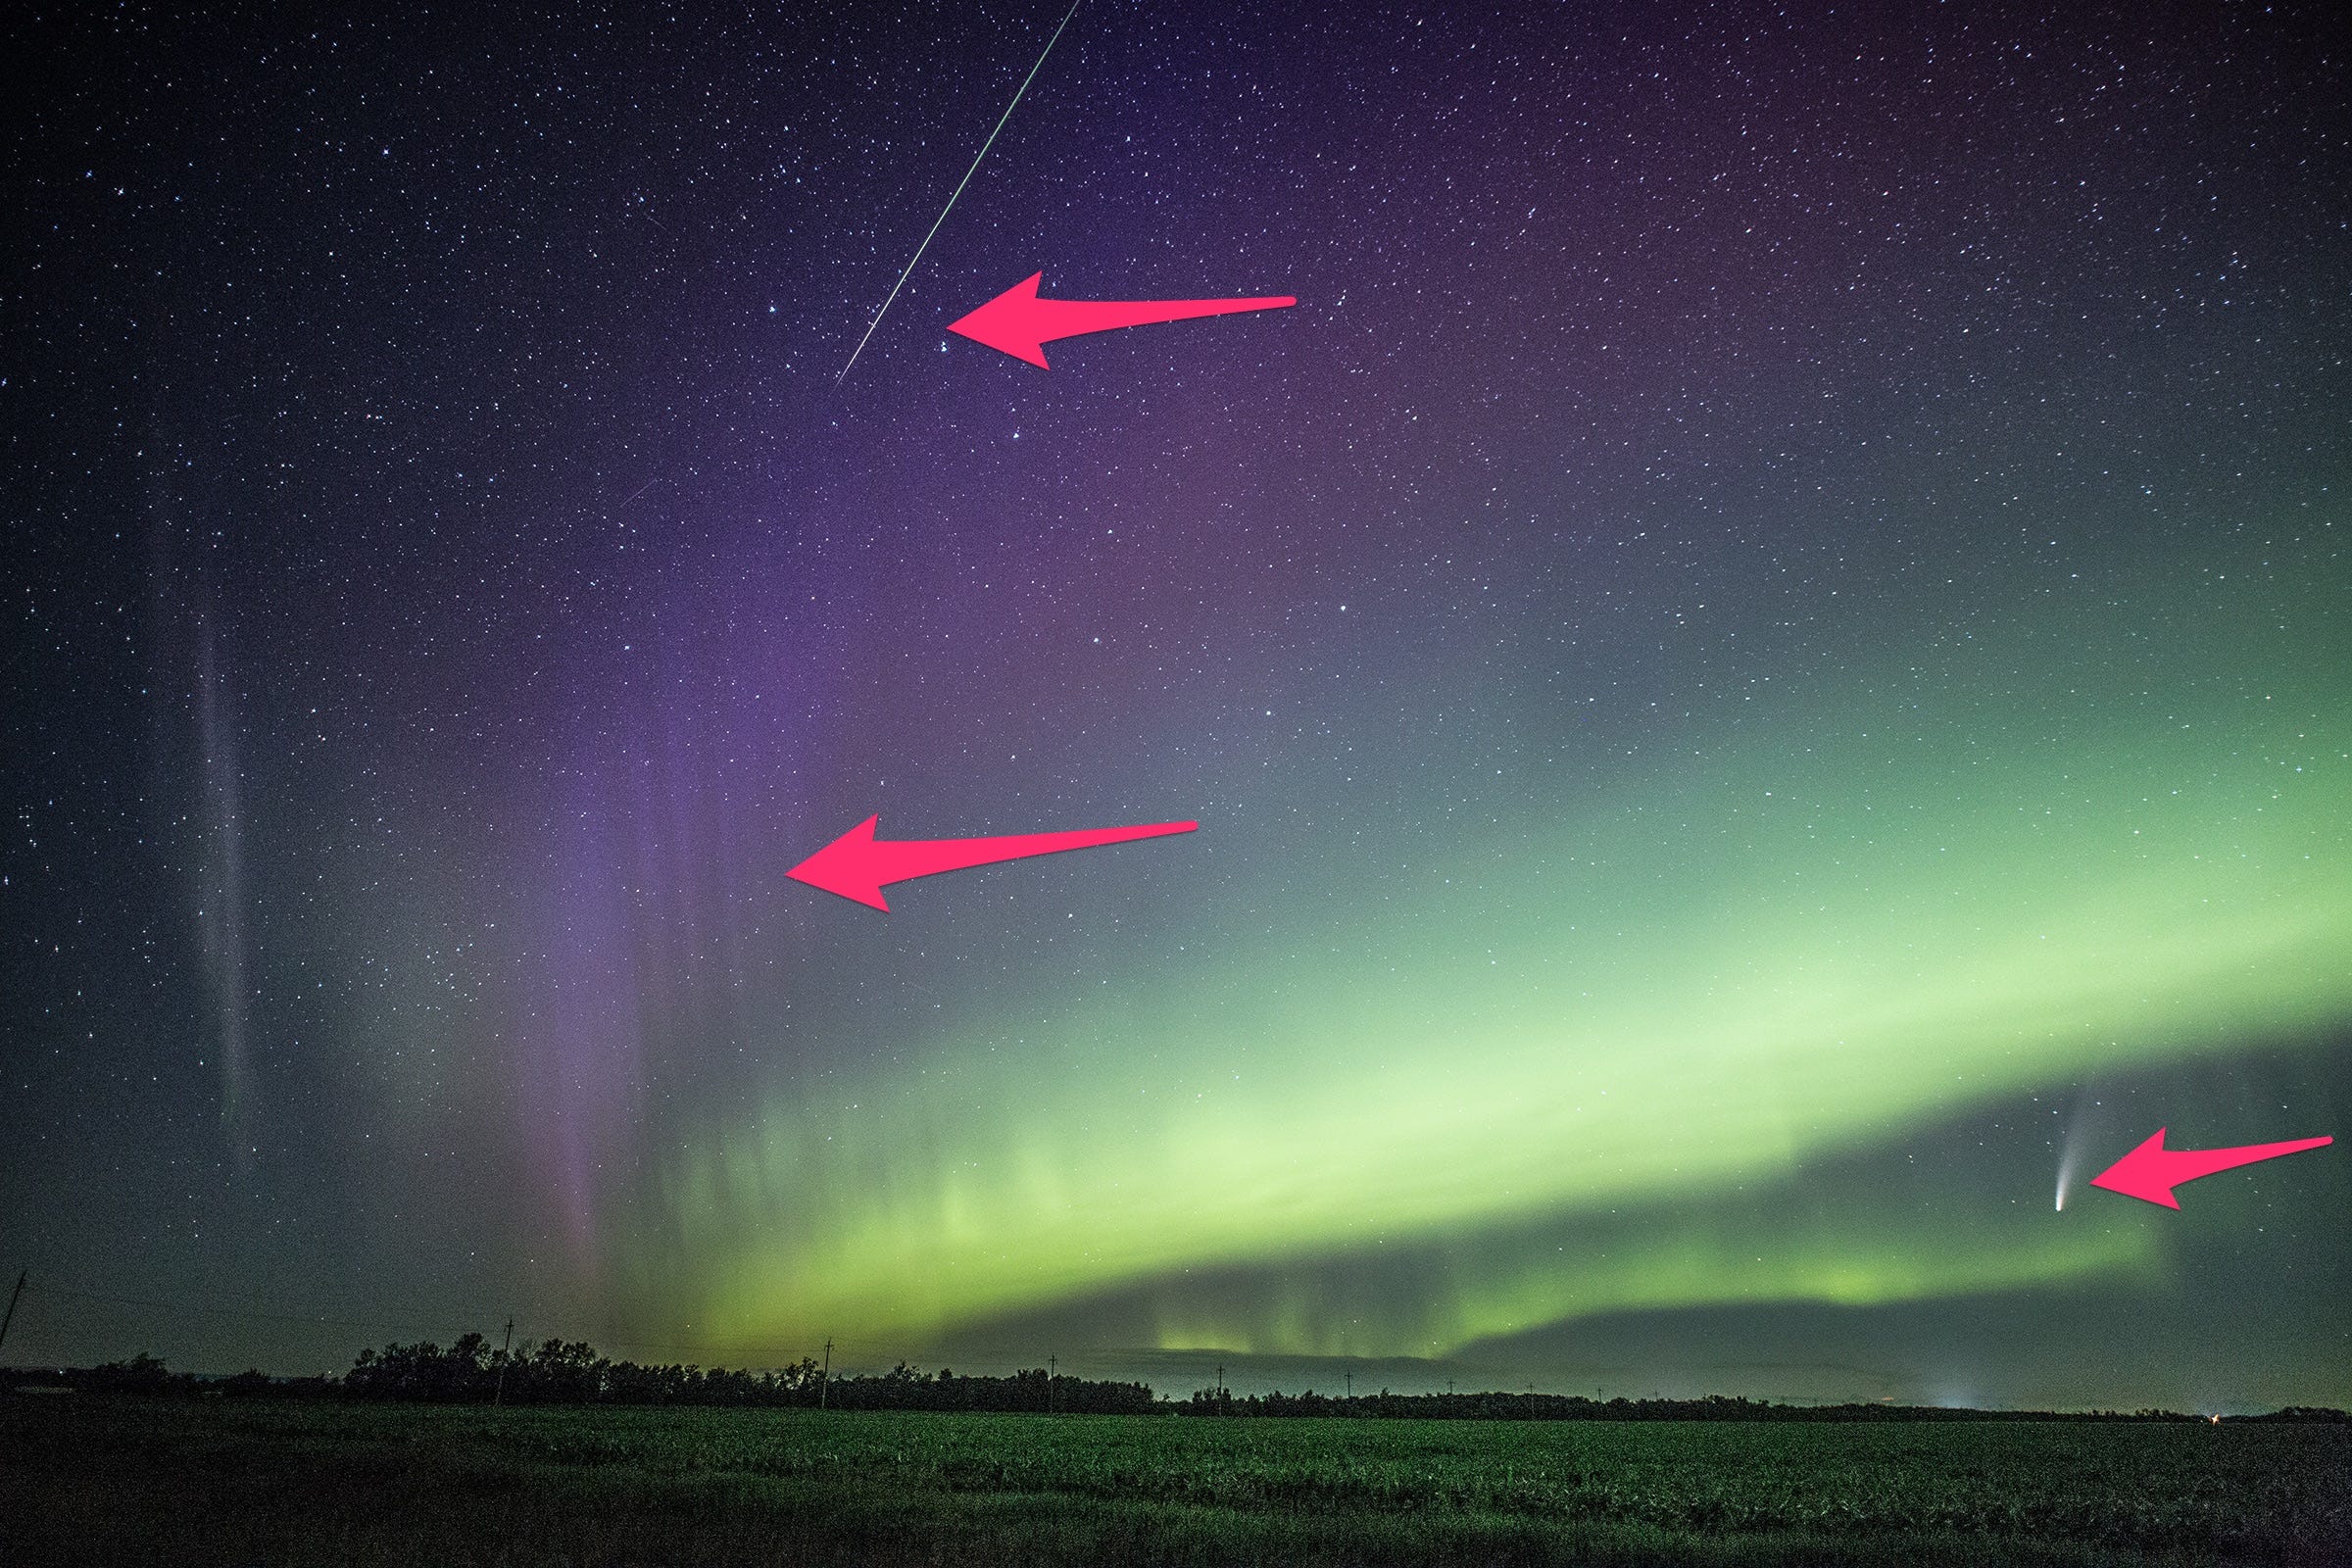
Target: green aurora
<point>1678,993</point>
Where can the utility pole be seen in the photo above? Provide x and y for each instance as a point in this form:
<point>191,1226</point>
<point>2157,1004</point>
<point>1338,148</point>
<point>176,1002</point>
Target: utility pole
<point>824,1387</point>
<point>11,1307</point>
<point>1221,1394</point>
<point>1350,1377</point>
<point>498,1396</point>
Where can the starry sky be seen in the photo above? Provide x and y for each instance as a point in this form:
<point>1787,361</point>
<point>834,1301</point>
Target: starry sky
<point>1760,661</point>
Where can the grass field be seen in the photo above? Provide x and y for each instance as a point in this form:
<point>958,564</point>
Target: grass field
<point>86,1480</point>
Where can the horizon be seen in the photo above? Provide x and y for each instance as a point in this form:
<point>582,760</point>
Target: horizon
<point>1241,1389</point>
<point>1177,1374</point>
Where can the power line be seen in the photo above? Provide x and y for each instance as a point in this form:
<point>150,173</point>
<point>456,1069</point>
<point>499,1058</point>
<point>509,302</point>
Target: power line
<point>11,1307</point>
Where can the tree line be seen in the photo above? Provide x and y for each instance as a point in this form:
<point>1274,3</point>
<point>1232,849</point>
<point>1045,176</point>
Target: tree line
<point>562,1372</point>
<point>559,1371</point>
<point>1497,1405</point>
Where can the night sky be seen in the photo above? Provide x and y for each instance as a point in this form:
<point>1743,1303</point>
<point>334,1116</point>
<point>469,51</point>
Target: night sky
<point>1762,662</point>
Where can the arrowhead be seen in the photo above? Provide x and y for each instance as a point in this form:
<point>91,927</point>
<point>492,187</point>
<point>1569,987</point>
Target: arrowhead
<point>850,865</point>
<point>1015,323</point>
<point>2146,1173</point>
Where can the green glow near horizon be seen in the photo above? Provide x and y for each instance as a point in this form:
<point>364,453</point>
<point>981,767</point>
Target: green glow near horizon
<point>1871,1258</point>
<point>1672,994</point>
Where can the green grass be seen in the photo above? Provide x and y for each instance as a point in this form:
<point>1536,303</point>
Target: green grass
<point>217,1482</point>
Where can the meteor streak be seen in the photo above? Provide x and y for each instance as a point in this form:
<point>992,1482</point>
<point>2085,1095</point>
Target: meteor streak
<point>958,191</point>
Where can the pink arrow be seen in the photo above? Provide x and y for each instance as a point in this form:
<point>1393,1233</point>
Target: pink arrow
<point>857,864</point>
<point>1020,323</point>
<point>2151,1171</point>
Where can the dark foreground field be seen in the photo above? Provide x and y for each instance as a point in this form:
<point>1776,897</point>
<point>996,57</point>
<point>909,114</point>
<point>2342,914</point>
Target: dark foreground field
<point>86,1480</point>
